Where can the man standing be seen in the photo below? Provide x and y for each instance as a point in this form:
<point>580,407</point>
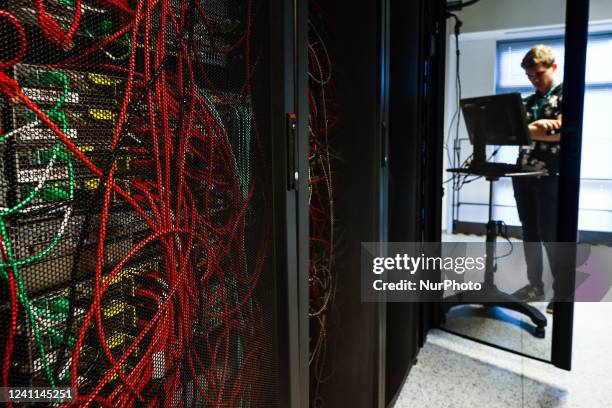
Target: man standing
<point>536,197</point>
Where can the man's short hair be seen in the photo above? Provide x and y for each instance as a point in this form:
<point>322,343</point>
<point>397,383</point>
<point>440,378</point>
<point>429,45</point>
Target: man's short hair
<point>539,54</point>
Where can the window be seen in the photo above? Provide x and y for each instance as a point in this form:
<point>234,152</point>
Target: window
<point>596,172</point>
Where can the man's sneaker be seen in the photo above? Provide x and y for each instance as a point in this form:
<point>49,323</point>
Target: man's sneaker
<point>550,307</point>
<point>529,293</point>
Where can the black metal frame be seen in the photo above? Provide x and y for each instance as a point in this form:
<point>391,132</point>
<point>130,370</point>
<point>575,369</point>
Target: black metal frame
<point>383,193</point>
<point>289,81</point>
<point>434,154</point>
<point>405,138</point>
<point>417,62</point>
<point>360,57</point>
<point>576,36</point>
<point>285,67</point>
<point>300,18</point>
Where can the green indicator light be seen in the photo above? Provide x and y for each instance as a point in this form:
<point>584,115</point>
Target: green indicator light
<point>106,26</point>
<point>57,338</point>
<point>55,194</point>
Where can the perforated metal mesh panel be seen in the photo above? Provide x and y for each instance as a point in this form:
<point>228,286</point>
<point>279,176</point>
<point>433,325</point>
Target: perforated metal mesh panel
<point>135,215</point>
<point>325,232</point>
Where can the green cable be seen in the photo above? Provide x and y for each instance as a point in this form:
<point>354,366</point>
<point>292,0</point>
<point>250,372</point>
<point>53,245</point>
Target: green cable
<point>21,293</point>
<point>107,27</point>
<point>13,263</point>
<point>56,238</point>
<point>61,117</point>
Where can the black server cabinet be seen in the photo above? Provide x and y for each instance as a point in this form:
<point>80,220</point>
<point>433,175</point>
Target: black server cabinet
<point>386,57</point>
<point>353,33</point>
<point>416,107</point>
<point>147,216</point>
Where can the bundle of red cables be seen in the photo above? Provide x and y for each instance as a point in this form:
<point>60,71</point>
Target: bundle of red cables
<point>207,322</point>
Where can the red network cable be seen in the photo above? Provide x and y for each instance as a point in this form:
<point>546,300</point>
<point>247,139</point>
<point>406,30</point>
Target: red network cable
<point>53,30</point>
<point>180,221</point>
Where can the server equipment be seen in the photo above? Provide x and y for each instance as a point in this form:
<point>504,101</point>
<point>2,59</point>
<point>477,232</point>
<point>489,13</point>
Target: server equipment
<point>136,217</point>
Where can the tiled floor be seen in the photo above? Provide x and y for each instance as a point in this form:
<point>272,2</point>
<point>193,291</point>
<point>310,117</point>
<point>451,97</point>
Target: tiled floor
<point>454,372</point>
<point>503,327</point>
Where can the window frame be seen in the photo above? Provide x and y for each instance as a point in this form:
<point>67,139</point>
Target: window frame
<point>536,40</point>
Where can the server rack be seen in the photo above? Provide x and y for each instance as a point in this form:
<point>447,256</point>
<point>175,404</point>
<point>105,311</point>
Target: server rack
<point>417,64</point>
<point>148,234</point>
<point>353,34</point>
<point>387,58</point>
<point>100,277</point>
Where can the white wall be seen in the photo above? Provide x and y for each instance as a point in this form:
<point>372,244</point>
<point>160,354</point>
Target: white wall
<point>488,15</point>
<point>477,78</point>
<point>477,70</point>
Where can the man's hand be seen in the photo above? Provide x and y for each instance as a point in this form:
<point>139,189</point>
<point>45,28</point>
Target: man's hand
<point>539,128</point>
<point>547,124</point>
